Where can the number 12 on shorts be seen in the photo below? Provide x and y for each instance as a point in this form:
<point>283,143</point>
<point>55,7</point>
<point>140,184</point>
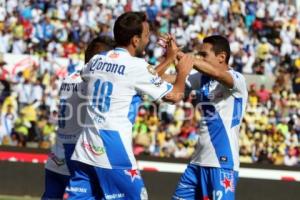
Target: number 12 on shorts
<point>217,195</point>
<point>101,95</point>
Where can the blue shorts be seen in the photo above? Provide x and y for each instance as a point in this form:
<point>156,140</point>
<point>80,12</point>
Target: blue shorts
<point>55,183</point>
<point>89,182</point>
<point>206,183</point>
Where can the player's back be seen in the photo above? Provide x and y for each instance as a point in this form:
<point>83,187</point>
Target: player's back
<point>110,90</point>
<point>115,81</point>
<point>71,114</point>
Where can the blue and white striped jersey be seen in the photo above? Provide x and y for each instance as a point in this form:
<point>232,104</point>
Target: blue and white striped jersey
<point>222,110</point>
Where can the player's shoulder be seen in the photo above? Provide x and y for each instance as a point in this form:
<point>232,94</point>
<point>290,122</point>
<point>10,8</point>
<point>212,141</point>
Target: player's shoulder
<point>139,61</point>
<point>240,79</point>
<point>73,78</point>
<point>236,74</point>
<point>140,65</point>
<point>101,55</point>
<point>240,84</point>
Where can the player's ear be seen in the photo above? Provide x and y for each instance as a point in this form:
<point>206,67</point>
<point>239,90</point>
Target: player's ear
<point>222,57</point>
<point>135,40</point>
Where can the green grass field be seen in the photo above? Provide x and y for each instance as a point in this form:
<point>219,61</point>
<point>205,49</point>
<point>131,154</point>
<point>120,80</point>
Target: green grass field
<point>5,197</point>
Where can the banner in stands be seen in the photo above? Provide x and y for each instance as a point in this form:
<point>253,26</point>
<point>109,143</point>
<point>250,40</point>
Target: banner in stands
<point>16,63</point>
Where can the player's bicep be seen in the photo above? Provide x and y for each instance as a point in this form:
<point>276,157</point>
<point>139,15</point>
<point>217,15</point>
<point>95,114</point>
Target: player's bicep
<point>226,79</point>
<point>148,82</point>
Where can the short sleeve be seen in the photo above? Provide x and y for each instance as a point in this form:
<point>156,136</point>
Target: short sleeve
<point>239,82</point>
<point>148,82</point>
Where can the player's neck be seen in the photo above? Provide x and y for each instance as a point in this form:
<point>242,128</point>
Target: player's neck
<point>225,67</point>
<point>129,48</point>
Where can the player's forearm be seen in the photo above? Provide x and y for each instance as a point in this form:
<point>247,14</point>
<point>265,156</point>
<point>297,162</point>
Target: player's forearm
<point>217,74</point>
<point>206,68</point>
<point>163,66</point>
<point>177,92</point>
<point>170,78</point>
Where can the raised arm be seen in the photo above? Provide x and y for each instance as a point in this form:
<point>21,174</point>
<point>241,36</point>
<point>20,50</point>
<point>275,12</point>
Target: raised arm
<point>184,67</point>
<point>223,76</point>
<point>171,53</point>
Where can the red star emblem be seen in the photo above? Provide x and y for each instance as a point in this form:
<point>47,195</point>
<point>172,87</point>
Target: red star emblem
<point>227,183</point>
<point>133,173</point>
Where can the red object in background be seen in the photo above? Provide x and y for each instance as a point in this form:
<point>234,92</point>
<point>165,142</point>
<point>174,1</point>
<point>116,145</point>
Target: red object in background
<point>69,49</point>
<point>257,25</point>
<point>186,131</point>
<point>263,95</point>
<point>3,74</point>
<point>61,72</point>
<point>288,179</point>
<point>28,28</point>
<point>128,6</point>
<point>23,157</point>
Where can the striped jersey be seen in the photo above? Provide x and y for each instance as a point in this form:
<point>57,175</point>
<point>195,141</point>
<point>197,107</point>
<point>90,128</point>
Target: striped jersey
<point>222,110</point>
<point>116,82</point>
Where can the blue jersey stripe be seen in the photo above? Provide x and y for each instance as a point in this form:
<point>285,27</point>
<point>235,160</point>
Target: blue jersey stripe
<point>115,149</point>
<point>216,128</point>
<point>220,140</point>
<point>133,108</point>
<point>169,88</point>
<point>237,111</point>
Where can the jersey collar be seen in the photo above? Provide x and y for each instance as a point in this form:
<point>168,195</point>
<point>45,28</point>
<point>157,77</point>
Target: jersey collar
<point>121,49</point>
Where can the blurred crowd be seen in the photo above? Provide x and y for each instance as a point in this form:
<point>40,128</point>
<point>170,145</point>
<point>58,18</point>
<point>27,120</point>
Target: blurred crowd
<point>264,38</point>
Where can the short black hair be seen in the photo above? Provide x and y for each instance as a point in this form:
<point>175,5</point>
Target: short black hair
<point>98,44</point>
<point>219,44</point>
<point>128,25</point>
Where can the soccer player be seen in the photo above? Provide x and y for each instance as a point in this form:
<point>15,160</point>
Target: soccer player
<point>222,96</point>
<point>117,79</point>
<point>57,169</point>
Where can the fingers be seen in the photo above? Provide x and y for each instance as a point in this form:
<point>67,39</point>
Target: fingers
<point>174,46</point>
<point>186,64</point>
<point>185,57</point>
<point>167,38</point>
<point>180,54</point>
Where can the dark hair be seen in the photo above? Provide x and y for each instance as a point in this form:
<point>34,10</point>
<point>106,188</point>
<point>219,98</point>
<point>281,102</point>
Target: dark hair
<point>98,44</point>
<point>128,25</point>
<point>219,44</point>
